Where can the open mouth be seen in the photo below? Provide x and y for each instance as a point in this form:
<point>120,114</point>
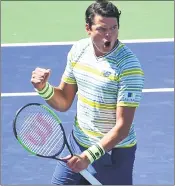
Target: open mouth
<point>107,43</point>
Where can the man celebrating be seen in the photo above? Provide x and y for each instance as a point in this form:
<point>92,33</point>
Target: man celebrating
<point>109,80</point>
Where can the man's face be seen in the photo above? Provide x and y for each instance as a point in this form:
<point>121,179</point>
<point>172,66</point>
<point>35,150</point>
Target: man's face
<point>104,33</point>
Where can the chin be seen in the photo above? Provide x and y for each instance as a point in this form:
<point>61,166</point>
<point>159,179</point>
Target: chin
<point>107,49</point>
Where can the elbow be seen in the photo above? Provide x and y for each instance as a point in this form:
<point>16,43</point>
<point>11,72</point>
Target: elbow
<point>122,128</point>
<point>123,132</point>
<point>62,108</point>
<point>124,135</point>
<point>59,105</point>
<point>58,108</point>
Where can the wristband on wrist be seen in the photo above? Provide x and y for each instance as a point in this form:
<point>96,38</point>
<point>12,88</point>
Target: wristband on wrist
<point>94,152</point>
<point>47,92</point>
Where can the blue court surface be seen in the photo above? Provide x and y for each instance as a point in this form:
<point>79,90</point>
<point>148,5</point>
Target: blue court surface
<point>154,118</point>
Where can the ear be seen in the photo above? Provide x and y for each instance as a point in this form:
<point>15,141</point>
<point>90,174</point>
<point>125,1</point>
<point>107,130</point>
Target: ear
<point>88,30</point>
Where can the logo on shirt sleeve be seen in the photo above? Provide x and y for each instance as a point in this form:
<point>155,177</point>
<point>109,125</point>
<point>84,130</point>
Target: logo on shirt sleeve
<point>129,96</point>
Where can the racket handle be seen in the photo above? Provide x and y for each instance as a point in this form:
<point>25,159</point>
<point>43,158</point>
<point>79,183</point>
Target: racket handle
<point>89,177</point>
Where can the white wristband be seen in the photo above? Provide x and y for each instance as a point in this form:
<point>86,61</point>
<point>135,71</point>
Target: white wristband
<point>47,92</point>
<point>94,152</point>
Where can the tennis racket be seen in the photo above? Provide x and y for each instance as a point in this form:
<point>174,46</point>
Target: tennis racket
<point>39,130</point>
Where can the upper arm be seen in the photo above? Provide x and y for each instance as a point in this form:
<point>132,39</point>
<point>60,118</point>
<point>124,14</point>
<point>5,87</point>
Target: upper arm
<point>68,83</point>
<point>68,75</point>
<point>69,91</point>
<point>125,116</point>
<point>130,85</point>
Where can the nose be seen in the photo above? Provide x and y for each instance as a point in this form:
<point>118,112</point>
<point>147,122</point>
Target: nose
<point>108,33</point>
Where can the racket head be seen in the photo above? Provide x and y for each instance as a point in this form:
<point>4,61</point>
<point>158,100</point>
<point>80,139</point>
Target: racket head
<point>39,130</point>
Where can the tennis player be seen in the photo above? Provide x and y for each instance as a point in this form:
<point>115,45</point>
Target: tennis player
<point>109,80</point>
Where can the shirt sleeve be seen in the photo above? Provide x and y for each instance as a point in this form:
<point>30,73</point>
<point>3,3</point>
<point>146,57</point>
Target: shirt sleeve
<point>130,85</point>
<point>68,75</point>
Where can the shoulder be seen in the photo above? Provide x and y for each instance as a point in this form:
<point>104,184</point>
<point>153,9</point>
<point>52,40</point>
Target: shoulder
<point>79,47</point>
<point>80,44</point>
<point>125,57</point>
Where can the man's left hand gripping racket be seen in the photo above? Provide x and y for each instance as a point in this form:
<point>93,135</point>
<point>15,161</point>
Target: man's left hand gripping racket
<point>39,130</point>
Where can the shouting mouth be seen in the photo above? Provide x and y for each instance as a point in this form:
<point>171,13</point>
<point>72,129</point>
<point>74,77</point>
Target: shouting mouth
<point>107,43</point>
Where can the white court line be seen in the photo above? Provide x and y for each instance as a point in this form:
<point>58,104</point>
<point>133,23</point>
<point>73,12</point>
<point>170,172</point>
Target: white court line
<point>36,94</point>
<point>72,42</point>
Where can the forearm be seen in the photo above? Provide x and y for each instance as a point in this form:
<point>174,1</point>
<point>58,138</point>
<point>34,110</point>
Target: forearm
<point>59,101</point>
<point>115,135</point>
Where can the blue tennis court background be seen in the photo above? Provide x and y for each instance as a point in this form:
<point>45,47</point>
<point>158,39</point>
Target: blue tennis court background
<point>154,118</point>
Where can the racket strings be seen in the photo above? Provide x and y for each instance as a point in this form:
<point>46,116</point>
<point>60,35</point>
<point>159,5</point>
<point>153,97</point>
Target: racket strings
<point>40,131</point>
<point>50,147</point>
<point>24,127</point>
<point>53,139</point>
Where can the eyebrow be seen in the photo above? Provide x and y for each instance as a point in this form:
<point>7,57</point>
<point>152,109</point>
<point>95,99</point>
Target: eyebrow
<point>106,26</point>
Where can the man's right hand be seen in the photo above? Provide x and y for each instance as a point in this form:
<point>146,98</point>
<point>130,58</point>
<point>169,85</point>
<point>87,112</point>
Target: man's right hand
<point>40,77</point>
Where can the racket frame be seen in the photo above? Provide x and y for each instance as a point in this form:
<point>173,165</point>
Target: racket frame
<point>59,123</point>
<point>84,172</point>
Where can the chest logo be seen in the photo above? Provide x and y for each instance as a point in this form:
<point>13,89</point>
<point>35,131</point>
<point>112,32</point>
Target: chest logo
<point>106,73</point>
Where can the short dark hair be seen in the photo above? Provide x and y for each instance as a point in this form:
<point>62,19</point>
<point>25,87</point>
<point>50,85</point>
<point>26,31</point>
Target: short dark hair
<point>102,8</point>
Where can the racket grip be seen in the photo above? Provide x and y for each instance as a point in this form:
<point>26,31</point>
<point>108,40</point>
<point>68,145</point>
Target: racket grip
<point>89,177</point>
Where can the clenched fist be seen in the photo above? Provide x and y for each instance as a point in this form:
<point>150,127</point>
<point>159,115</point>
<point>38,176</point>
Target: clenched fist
<point>40,77</point>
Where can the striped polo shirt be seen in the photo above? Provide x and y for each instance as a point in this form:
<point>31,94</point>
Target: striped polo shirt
<point>115,79</point>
